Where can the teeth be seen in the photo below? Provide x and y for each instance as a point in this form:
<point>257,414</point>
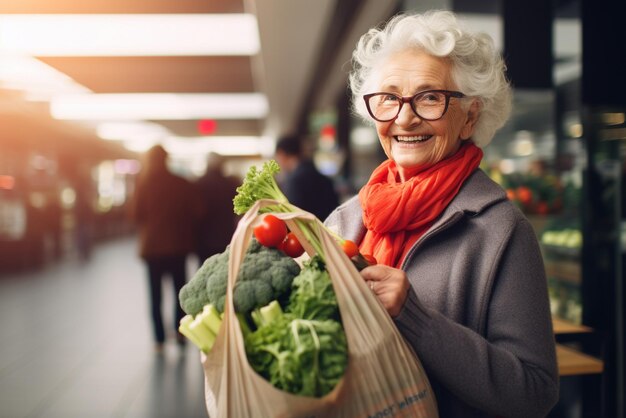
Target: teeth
<point>413,138</point>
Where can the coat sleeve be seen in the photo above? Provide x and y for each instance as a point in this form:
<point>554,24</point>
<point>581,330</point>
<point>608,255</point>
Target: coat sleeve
<point>509,369</point>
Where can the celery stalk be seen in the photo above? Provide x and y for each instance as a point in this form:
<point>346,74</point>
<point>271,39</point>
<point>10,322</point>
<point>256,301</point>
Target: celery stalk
<point>211,318</point>
<point>204,334</point>
<point>270,312</point>
<point>184,329</point>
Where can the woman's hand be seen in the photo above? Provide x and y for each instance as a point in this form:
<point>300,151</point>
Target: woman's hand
<point>390,285</point>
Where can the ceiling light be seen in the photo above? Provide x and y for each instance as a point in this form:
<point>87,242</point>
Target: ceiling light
<point>140,145</point>
<point>159,106</point>
<point>130,35</point>
<point>39,81</point>
<point>120,131</point>
<point>224,145</point>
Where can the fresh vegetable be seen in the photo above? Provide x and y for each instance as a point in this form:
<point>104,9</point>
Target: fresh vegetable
<point>304,350</point>
<point>312,294</point>
<point>265,274</point>
<point>291,246</point>
<point>271,232</point>
<point>211,318</point>
<point>261,184</point>
<point>183,328</point>
<point>303,357</point>
<point>203,328</point>
<point>266,314</point>
<point>524,194</point>
<point>350,248</point>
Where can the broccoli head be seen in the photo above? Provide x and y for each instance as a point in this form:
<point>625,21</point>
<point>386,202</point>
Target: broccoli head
<point>193,295</point>
<point>265,274</point>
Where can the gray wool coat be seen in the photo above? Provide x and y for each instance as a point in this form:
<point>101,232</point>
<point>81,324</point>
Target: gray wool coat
<point>477,314</point>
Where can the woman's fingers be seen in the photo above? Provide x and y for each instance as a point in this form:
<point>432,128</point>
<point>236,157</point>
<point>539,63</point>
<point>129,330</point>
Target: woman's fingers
<point>390,285</point>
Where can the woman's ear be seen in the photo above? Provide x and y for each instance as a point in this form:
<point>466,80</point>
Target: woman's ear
<point>472,117</point>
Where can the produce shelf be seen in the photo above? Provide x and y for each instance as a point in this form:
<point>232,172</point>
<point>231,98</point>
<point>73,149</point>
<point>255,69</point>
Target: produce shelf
<point>564,270</point>
<point>561,326</point>
<point>572,362</point>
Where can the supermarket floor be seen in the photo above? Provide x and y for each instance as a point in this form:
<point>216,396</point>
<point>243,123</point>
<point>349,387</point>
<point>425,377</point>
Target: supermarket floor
<point>76,342</point>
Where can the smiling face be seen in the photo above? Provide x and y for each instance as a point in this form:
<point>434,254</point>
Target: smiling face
<point>413,143</point>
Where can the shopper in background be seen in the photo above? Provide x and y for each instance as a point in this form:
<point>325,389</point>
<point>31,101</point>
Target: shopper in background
<point>460,270</point>
<point>165,208</point>
<point>84,216</point>
<point>216,227</point>
<point>302,183</point>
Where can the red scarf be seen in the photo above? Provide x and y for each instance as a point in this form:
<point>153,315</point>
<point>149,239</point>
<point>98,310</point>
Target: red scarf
<point>396,214</point>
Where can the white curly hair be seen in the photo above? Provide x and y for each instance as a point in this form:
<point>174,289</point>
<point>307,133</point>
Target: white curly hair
<point>477,69</point>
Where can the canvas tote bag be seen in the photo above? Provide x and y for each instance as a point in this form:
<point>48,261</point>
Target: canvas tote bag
<point>384,378</point>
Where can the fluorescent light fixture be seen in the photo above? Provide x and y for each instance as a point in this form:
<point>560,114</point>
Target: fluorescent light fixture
<point>121,131</point>
<point>130,35</point>
<point>39,81</point>
<point>159,106</point>
<point>140,146</point>
<point>224,145</point>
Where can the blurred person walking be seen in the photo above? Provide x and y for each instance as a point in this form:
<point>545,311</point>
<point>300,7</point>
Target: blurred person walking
<point>165,208</point>
<point>84,217</point>
<point>217,189</point>
<point>303,184</point>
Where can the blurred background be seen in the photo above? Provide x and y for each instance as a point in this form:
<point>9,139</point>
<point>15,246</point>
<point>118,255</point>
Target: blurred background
<point>87,87</point>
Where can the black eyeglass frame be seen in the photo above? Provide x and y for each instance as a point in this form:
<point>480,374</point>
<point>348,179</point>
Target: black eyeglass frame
<point>411,101</point>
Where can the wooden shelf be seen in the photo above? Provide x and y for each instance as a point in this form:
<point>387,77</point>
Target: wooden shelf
<point>573,363</point>
<point>561,326</point>
<point>564,270</point>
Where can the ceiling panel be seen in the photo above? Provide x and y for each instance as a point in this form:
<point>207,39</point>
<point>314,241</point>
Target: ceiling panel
<point>297,39</point>
<point>158,74</point>
<point>121,6</point>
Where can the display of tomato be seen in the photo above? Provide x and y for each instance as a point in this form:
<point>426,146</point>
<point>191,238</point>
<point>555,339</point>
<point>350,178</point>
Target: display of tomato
<point>271,232</point>
<point>350,248</point>
<point>291,246</point>
<point>524,195</point>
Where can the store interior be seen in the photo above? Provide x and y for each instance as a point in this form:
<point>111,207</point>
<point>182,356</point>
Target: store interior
<point>561,157</point>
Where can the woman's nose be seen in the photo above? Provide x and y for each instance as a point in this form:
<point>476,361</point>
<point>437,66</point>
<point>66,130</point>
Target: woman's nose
<point>407,117</point>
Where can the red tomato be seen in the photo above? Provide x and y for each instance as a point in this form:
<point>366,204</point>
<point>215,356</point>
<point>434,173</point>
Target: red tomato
<point>350,248</point>
<point>291,246</point>
<point>525,195</point>
<point>271,231</point>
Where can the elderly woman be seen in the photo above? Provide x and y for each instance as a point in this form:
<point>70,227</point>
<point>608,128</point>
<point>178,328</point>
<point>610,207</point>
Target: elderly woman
<point>459,268</point>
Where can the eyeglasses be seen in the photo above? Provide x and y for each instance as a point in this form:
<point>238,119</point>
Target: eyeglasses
<point>428,105</point>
